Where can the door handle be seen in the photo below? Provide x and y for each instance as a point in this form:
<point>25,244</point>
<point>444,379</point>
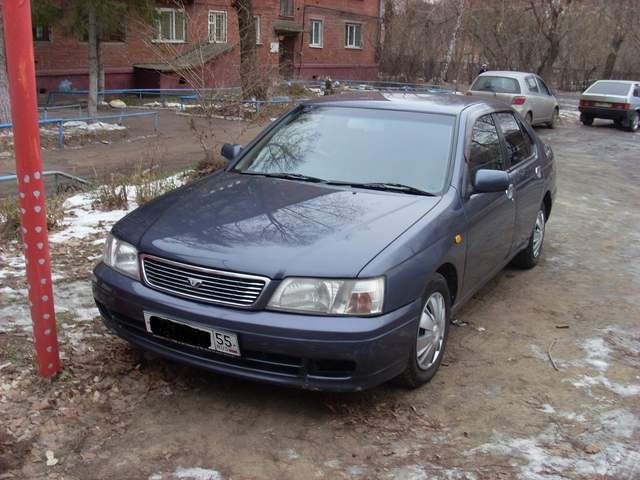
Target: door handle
<point>538,171</point>
<point>509,192</point>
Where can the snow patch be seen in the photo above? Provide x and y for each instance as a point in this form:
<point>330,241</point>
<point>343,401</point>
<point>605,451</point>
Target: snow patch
<point>92,127</point>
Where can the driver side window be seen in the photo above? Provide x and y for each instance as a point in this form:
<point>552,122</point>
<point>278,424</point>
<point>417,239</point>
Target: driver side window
<point>485,150</point>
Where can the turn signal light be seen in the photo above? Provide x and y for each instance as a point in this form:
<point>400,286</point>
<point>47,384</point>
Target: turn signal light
<point>518,101</point>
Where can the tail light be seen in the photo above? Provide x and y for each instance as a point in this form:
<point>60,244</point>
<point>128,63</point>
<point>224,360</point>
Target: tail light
<point>585,103</point>
<point>518,101</point>
<point>468,93</point>
<point>621,106</point>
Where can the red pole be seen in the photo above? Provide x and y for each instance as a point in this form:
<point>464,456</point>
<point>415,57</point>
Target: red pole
<point>26,140</point>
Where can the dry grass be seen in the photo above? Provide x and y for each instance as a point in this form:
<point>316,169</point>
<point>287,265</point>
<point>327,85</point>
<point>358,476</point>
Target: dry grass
<point>10,216</point>
<point>111,194</point>
<point>205,167</point>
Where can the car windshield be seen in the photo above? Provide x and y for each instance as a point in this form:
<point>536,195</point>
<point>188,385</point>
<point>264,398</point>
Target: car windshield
<point>357,146</point>
<point>609,88</point>
<point>488,83</point>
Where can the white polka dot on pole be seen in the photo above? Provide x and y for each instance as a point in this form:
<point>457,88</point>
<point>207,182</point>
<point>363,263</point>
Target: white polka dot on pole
<point>26,179</point>
<point>36,175</point>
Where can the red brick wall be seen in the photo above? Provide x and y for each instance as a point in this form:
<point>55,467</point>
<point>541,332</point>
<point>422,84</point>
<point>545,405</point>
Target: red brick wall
<point>66,58</point>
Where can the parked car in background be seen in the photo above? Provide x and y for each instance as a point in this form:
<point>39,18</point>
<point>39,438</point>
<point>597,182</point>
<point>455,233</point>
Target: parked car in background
<point>333,250</point>
<point>617,100</point>
<point>526,92</point>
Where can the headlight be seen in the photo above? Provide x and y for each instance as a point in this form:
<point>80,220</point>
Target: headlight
<point>121,256</point>
<point>328,296</point>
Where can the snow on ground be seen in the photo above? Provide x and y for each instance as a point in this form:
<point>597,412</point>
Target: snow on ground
<point>193,473</point>
<point>84,229</point>
<point>82,220</point>
<point>92,127</point>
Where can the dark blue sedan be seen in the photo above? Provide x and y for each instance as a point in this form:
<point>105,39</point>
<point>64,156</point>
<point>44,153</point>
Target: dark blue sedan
<point>333,250</point>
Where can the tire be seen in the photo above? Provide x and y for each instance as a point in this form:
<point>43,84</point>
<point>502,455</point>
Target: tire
<point>418,372</point>
<point>618,123</point>
<point>554,118</point>
<point>530,255</point>
<point>529,118</point>
<point>633,123</point>
<point>586,120</point>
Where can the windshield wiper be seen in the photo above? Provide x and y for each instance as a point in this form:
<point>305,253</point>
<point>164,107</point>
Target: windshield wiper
<point>288,176</point>
<point>399,187</point>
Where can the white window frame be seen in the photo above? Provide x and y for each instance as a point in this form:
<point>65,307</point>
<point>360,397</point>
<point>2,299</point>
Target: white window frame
<point>48,28</point>
<point>213,30</point>
<point>313,42</point>
<point>347,27</point>
<point>158,34</point>
<point>256,19</point>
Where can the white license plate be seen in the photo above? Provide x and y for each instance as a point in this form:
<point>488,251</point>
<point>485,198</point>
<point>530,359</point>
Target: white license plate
<point>603,104</point>
<point>225,342</point>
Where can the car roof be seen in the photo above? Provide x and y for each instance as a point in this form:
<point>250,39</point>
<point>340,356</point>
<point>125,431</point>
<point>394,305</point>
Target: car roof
<point>443,103</point>
<point>615,81</point>
<point>506,73</point>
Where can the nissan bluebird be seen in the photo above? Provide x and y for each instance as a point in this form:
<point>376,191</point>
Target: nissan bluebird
<point>333,249</point>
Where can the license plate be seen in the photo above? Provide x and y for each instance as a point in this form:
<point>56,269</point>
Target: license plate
<point>603,104</point>
<point>195,336</point>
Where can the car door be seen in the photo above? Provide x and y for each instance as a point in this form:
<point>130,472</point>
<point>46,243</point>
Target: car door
<point>534,98</point>
<point>490,216</point>
<point>635,96</point>
<point>547,99</point>
<point>525,173</point>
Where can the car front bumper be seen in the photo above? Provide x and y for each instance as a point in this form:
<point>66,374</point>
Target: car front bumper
<point>311,352</point>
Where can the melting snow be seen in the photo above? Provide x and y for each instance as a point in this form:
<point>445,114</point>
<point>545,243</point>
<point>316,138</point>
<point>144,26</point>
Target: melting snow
<point>189,474</point>
<point>92,127</point>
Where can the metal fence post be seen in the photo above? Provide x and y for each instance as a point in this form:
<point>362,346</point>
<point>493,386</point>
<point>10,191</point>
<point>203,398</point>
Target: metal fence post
<point>60,134</point>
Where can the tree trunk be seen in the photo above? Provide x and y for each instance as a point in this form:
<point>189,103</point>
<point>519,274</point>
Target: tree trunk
<point>452,42</point>
<point>616,43</point>
<point>92,28</point>
<point>100,67</point>
<point>250,78</point>
<point>546,65</point>
<point>5,105</point>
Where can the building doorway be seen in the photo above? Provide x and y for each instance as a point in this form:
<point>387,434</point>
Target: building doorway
<point>287,48</point>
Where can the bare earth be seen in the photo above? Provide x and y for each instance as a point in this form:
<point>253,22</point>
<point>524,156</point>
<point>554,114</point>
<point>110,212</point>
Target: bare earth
<point>498,409</point>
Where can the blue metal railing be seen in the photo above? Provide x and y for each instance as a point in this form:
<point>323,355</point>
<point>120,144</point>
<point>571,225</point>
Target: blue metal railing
<point>54,173</point>
<point>45,109</point>
<point>61,121</point>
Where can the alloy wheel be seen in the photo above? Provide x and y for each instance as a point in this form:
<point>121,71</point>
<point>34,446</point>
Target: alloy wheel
<point>431,331</point>
<point>538,233</point>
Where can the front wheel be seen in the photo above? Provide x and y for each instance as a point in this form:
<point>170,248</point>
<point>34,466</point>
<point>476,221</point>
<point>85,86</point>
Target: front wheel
<point>529,256</point>
<point>431,334</point>
<point>554,118</point>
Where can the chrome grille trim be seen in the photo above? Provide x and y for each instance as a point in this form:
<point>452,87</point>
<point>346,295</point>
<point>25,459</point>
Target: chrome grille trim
<point>217,287</point>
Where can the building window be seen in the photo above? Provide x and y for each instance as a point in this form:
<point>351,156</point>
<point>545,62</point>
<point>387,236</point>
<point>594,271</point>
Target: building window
<point>286,8</point>
<point>353,35</point>
<point>42,33</point>
<point>170,26</point>
<point>315,37</point>
<point>217,27</point>
<point>256,19</point>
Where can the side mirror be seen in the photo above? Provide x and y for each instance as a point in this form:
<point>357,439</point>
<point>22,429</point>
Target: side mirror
<point>486,181</point>
<point>230,150</point>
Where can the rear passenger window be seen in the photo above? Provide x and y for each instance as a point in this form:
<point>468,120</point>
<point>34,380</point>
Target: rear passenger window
<point>518,142</point>
<point>485,151</point>
<point>532,86</point>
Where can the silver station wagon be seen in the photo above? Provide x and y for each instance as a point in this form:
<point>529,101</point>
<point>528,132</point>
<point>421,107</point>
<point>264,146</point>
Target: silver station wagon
<point>526,92</point>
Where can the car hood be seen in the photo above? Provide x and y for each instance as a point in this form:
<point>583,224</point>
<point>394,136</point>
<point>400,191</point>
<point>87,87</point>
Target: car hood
<point>272,227</point>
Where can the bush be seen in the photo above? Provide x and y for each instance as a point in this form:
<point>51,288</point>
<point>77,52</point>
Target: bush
<point>151,183</point>
<point>111,195</point>
<point>10,216</point>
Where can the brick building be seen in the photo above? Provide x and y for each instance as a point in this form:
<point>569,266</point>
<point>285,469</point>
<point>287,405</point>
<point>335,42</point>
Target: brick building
<point>302,39</point>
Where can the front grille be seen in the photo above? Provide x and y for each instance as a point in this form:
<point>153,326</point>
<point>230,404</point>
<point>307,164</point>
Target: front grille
<point>202,284</point>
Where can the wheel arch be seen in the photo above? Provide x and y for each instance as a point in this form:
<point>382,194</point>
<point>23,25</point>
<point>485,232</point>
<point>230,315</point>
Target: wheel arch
<point>450,274</point>
<point>547,202</point>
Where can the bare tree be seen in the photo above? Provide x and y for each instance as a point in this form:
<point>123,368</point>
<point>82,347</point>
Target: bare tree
<point>5,105</point>
<point>452,41</point>
<point>549,15</point>
<point>249,72</point>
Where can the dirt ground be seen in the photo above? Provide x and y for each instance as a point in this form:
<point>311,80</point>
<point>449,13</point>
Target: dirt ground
<point>540,378</point>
